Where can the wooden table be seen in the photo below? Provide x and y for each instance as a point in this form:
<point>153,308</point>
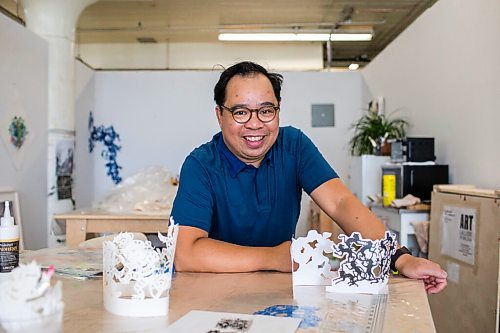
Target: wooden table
<point>407,308</point>
<point>80,223</point>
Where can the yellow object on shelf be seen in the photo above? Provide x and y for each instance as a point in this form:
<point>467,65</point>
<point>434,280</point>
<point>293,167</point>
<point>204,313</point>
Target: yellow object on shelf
<point>389,186</point>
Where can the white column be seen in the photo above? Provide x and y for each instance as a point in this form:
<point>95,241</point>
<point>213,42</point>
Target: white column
<point>55,21</point>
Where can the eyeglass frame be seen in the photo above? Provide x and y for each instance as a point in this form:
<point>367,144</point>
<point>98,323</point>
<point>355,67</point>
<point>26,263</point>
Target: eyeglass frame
<point>231,110</point>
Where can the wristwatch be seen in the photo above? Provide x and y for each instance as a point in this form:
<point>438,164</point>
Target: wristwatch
<point>399,252</point>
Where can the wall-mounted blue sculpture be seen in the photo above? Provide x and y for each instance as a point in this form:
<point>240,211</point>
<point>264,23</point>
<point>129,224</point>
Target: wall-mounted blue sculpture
<point>109,137</point>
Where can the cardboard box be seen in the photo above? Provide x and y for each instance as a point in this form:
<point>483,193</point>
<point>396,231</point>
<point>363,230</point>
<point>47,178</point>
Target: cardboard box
<point>464,240</point>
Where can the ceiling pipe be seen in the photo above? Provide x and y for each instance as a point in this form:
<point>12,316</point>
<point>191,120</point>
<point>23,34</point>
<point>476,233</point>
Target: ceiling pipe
<point>285,26</point>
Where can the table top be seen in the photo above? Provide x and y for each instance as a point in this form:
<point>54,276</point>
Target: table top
<point>418,209</point>
<point>406,309</point>
<point>96,214</point>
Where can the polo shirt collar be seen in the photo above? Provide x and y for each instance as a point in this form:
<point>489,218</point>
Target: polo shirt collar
<point>235,165</point>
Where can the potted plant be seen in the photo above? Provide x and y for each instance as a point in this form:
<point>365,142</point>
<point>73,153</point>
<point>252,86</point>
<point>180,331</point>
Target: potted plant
<point>373,131</point>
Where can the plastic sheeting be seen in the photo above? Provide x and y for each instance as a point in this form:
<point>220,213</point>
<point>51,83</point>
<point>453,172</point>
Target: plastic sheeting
<point>151,191</point>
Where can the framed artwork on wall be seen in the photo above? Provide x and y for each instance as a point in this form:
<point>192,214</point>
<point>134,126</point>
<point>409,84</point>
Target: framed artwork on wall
<point>15,211</point>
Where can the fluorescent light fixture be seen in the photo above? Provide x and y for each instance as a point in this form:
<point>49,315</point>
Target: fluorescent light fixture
<point>303,37</point>
<point>273,37</point>
<point>353,67</point>
<point>351,37</point>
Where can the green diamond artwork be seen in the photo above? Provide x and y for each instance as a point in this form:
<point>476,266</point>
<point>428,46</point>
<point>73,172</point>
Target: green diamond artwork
<point>18,131</point>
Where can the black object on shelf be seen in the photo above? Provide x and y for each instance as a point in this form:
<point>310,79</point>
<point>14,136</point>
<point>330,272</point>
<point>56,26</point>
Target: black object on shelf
<point>417,180</point>
<point>413,149</point>
<point>420,149</point>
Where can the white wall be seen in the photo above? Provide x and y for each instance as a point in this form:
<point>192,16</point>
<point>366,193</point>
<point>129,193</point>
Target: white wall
<point>278,55</point>
<point>443,73</point>
<point>161,116</point>
<point>23,92</point>
<point>119,56</point>
<point>344,90</point>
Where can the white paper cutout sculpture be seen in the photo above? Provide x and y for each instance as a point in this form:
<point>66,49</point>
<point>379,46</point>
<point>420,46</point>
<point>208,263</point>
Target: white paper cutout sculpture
<point>365,264</point>
<point>28,302</point>
<point>309,252</point>
<point>136,277</point>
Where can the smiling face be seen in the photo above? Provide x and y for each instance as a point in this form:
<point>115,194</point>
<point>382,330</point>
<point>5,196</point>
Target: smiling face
<point>250,141</point>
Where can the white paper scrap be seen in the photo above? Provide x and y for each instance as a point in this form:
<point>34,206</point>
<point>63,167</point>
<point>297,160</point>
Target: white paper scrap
<point>196,321</point>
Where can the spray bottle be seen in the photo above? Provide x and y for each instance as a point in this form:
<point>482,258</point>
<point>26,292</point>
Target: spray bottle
<point>9,241</point>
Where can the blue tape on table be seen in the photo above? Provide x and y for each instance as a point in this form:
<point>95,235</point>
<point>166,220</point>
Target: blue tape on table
<point>306,313</point>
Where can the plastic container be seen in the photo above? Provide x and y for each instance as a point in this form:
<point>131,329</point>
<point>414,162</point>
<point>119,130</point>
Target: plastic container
<point>9,241</point>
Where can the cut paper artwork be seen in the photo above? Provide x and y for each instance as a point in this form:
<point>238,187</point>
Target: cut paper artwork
<point>310,253</point>
<point>307,314</point>
<point>196,321</point>
<point>29,302</point>
<point>365,264</point>
<point>137,277</point>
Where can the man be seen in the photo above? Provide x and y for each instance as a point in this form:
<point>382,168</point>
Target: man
<point>239,195</point>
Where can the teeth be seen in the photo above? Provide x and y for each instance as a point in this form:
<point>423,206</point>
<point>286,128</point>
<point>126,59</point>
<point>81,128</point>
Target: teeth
<point>254,138</point>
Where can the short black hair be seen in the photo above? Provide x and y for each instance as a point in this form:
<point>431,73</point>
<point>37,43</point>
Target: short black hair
<point>245,68</point>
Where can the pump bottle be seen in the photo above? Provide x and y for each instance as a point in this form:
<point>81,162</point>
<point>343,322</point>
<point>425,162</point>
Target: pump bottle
<point>9,241</point>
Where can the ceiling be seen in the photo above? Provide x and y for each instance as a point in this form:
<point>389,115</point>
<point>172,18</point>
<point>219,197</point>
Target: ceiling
<point>193,21</point>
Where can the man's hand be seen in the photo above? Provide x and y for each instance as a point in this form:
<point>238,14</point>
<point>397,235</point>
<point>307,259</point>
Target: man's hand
<point>335,199</point>
<point>419,268</point>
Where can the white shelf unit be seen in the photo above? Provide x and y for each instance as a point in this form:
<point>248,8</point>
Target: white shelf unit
<point>365,174</point>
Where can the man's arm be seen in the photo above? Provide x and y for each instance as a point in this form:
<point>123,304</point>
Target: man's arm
<point>351,215</point>
<point>197,253</point>
<point>335,199</point>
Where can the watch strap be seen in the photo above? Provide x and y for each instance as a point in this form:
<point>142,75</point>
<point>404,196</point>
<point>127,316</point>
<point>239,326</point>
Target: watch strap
<point>399,252</point>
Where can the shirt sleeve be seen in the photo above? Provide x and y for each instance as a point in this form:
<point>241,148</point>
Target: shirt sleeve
<point>193,204</point>
<point>314,170</point>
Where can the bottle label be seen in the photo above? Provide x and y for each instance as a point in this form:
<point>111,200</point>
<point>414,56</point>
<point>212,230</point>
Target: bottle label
<point>9,255</point>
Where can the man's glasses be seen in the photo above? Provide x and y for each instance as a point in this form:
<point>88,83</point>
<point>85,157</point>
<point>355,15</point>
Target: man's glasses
<point>242,115</point>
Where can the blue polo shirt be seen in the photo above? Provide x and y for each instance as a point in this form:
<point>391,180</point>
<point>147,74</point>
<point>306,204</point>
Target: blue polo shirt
<point>240,204</point>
